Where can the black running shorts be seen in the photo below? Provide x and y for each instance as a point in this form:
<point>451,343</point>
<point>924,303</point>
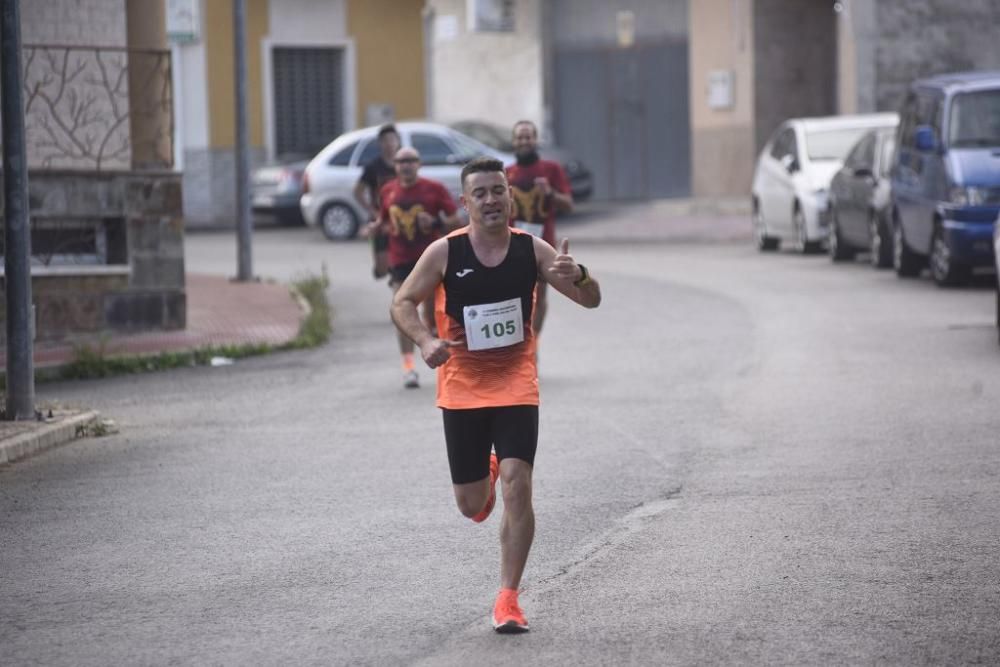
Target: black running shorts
<point>397,274</point>
<point>511,430</point>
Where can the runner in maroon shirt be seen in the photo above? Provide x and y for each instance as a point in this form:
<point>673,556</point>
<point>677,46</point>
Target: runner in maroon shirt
<point>414,212</point>
<point>540,188</point>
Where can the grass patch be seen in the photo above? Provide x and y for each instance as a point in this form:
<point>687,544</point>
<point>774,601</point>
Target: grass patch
<point>90,361</point>
<point>315,328</point>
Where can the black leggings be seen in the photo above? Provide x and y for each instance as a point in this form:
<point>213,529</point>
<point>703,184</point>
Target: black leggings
<point>511,430</point>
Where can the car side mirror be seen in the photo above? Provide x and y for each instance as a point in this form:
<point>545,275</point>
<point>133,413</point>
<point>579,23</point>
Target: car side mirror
<point>924,139</point>
<point>456,159</point>
<point>789,162</point>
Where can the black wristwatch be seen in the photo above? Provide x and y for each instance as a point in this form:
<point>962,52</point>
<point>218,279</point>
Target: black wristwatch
<point>584,277</point>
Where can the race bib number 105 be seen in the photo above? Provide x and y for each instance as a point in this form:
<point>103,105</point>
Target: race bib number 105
<point>492,325</point>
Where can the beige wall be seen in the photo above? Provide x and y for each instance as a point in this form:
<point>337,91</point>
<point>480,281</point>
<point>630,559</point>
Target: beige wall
<point>722,140</point>
<point>487,76</point>
<point>219,68</point>
<point>389,45</point>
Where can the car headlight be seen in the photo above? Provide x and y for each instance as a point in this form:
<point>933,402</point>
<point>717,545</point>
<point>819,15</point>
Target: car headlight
<point>968,196</point>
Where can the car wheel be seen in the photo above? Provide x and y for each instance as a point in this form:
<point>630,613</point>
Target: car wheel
<point>881,245</point>
<point>806,247</point>
<point>338,222</point>
<point>944,269</point>
<point>763,241</point>
<point>838,249</point>
<point>906,262</point>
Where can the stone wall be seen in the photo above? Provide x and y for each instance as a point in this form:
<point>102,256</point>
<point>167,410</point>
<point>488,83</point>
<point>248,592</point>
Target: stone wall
<point>920,38</point>
<point>210,184</point>
<point>142,286</point>
<point>74,22</point>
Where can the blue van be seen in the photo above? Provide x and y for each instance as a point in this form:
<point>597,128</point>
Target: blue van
<point>946,176</point>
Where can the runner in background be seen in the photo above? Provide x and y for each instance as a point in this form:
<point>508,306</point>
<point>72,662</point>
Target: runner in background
<point>415,212</point>
<point>541,189</point>
<point>377,173</point>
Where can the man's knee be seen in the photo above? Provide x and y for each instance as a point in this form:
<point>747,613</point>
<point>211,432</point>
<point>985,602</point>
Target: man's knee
<point>471,498</point>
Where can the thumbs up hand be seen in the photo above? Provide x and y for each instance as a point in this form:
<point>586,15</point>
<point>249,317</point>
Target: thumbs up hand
<point>564,266</point>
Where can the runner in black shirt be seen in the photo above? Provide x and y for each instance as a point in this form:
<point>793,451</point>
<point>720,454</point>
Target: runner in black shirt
<point>377,173</point>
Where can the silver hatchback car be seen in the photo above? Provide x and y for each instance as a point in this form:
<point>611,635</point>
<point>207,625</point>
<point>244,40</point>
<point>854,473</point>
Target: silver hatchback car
<point>328,201</point>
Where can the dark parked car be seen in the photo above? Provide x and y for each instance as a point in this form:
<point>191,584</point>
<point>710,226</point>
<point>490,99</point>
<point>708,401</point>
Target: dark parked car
<point>996,263</point>
<point>946,176</point>
<point>581,181</point>
<point>275,189</point>
<point>861,203</point>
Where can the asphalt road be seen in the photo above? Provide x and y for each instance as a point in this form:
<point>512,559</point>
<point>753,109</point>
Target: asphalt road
<point>744,459</point>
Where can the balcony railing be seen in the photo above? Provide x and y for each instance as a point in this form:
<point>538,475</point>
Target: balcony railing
<point>98,108</point>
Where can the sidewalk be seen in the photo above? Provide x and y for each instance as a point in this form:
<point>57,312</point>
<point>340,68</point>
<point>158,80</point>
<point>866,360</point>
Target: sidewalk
<point>219,312</point>
<point>666,220</point>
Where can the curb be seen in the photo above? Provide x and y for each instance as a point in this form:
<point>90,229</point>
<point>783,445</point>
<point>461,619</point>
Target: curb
<point>46,437</point>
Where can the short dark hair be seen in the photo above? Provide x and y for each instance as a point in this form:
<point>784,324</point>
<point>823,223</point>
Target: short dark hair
<point>479,165</point>
<point>529,123</point>
<point>388,128</point>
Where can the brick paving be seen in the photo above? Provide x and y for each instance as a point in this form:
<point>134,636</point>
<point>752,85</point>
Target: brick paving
<point>219,312</point>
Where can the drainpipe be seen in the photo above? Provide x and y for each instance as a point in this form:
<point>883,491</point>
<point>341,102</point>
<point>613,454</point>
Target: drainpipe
<point>244,224</point>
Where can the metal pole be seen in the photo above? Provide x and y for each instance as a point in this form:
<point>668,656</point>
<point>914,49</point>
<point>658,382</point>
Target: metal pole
<point>17,229</point>
<point>244,224</point>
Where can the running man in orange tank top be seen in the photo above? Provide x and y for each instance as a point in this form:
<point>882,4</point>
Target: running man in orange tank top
<point>485,278</point>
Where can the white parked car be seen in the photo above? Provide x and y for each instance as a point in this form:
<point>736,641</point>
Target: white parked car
<point>328,201</point>
<point>793,174</point>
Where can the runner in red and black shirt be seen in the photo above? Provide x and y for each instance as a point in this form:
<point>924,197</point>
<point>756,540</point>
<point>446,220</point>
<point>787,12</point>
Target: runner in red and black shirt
<point>414,212</point>
<point>541,189</point>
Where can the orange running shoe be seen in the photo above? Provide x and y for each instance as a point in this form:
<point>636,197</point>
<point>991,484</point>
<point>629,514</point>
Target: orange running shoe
<point>494,473</point>
<point>508,618</point>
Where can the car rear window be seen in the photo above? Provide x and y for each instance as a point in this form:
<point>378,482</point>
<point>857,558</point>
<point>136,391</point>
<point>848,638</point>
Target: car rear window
<point>832,144</point>
<point>369,151</point>
<point>433,150</point>
<point>343,157</point>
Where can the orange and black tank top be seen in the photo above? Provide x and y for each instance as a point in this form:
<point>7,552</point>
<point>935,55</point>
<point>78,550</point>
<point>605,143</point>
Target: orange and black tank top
<point>497,376</point>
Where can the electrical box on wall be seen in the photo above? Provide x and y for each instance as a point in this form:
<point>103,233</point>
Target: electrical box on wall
<point>377,114</point>
<point>490,15</point>
<point>183,21</point>
<point>720,89</point>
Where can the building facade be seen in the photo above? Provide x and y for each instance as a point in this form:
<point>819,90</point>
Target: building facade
<point>675,97</point>
<point>105,201</point>
<point>315,69</point>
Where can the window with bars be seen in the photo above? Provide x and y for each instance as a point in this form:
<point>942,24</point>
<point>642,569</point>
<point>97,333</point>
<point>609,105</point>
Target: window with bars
<point>308,98</point>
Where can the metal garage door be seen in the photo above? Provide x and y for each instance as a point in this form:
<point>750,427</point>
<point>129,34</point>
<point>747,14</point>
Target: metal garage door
<point>308,98</point>
<point>624,111</point>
